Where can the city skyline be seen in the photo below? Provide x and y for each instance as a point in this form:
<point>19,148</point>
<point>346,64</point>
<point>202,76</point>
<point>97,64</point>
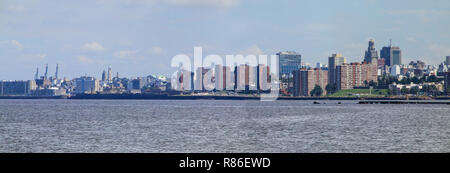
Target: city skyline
<point>138,38</point>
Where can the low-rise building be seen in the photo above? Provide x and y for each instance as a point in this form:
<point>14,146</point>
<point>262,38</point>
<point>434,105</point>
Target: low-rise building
<point>17,88</point>
<point>86,85</point>
<point>306,79</point>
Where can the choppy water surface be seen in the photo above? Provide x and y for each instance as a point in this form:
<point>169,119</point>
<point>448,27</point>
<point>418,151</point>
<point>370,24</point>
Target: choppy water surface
<point>220,126</point>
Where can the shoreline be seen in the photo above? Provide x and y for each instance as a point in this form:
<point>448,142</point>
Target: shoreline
<point>190,97</point>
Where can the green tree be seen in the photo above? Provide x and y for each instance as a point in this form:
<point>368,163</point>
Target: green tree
<point>372,83</point>
<point>415,80</point>
<point>432,79</point>
<point>331,88</point>
<point>404,91</point>
<point>317,91</point>
<point>414,90</point>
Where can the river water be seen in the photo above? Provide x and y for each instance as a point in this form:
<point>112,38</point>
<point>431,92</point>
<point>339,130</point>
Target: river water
<point>220,126</point>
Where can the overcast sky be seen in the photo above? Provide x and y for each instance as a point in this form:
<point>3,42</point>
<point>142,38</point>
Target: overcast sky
<point>139,37</point>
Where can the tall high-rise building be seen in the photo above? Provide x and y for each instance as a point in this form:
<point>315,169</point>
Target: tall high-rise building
<point>289,61</point>
<point>306,79</point>
<point>333,61</point>
<point>392,55</point>
<point>447,60</point>
<point>355,74</point>
<point>104,76</point>
<point>219,77</point>
<point>263,77</point>
<point>371,52</point>
<point>109,74</point>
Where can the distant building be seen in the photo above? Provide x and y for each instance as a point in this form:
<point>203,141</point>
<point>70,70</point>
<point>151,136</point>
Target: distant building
<point>392,55</point>
<point>223,78</point>
<point>199,78</point>
<point>137,84</point>
<point>183,81</point>
<point>109,75</point>
<point>395,70</point>
<point>245,77</point>
<point>17,88</point>
<point>104,76</point>
<point>371,52</point>
<point>43,82</point>
<point>86,85</point>
<point>447,61</point>
<point>306,79</point>
<point>263,78</point>
<point>50,92</point>
<point>289,61</point>
<point>220,76</point>
<point>334,61</point>
<point>355,74</point>
<point>447,83</point>
<point>420,65</point>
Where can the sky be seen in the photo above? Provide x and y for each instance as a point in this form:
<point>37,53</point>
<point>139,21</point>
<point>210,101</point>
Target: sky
<point>140,37</point>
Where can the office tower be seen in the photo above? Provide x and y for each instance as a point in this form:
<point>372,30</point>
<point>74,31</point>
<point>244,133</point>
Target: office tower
<point>104,76</point>
<point>306,79</point>
<point>220,77</point>
<point>199,78</point>
<point>137,84</point>
<point>371,52</point>
<point>392,55</point>
<point>263,77</point>
<point>447,82</point>
<point>353,75</point>
<point>245,77</point>
<point>109,74</point>
<point>395,70</point>
<point>333,61</point>
<point>86,85</point>
<point>447,60</point>
<point>288,62</point>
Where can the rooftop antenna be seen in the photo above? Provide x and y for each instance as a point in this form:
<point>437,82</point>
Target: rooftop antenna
<point>390,42</point>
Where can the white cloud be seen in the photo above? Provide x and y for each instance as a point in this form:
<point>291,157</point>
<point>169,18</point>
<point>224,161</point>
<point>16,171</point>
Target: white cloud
<point>85,60</point>
<point>252,50</point>
<point>13,43</point>
<point>125,53</point>
<point>157,50</point>
<point>93,46</point>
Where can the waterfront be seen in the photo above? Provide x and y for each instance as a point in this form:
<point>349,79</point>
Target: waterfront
<point>220,126</point>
